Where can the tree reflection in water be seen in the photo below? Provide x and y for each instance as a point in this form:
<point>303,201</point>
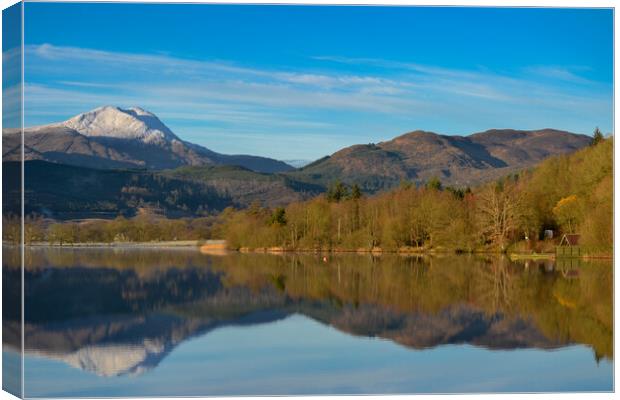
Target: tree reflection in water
<point>87,306</point>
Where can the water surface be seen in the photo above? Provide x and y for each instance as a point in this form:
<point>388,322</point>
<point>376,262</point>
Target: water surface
<point>113,322</point>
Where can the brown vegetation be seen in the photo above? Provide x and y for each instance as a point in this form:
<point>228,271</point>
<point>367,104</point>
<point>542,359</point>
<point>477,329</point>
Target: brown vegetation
<point>458,160</point>
<point>564,193</point>
<point>144,228</point>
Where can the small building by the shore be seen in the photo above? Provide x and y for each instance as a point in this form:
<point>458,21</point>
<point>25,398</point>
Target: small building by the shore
<point>569,246</point>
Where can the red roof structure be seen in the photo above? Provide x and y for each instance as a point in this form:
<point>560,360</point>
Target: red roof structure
<point>570,239</point>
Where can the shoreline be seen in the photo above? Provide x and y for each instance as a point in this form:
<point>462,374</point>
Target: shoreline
<point>216,247</point>
<point>165,244</point>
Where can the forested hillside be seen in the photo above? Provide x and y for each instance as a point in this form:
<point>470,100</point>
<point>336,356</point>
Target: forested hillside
<point>62,192</point>
<point>566,194</point>
<point>68,192</point>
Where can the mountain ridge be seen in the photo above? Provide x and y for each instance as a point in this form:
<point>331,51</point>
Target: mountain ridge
<point>456,160</point>
<point>62,191</point>
<point>113,137</point>
<point>113,145</point>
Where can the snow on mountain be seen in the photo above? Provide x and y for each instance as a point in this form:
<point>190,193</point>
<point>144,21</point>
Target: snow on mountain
<point>114,137</point>
<point>112,359</point>
<point>115,122</point>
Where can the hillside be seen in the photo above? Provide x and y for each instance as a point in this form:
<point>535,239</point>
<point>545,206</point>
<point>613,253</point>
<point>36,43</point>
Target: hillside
<point>69,192</point>
<point>112,137</point>
<point>456,160</point>
<point>565,194</point>
<point>244,186</point>
<point>108,167</point>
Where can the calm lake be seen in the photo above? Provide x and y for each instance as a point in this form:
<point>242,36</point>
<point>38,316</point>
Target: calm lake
<point>145,322</point>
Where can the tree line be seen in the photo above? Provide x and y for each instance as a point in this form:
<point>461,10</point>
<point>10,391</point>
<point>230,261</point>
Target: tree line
<point>564,194</point>
<point>144,228</point>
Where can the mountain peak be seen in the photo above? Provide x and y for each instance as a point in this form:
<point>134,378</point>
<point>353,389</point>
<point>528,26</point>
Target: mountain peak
<point>457,160</point>
<point>140,111</point>
<point>116,122</point>
<point>114,137</point>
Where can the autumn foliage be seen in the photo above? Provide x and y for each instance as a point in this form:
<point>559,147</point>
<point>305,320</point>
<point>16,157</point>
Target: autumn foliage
<point>565,194</point>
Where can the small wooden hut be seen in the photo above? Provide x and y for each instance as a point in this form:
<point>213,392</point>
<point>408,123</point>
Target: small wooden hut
<point>569,246</point>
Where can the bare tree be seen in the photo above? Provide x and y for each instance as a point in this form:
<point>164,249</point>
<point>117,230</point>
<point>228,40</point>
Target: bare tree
<point>498,212</point>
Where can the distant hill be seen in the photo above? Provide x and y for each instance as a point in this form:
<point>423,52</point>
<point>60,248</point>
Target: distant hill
<point>244,187</point>
<point>111,137</point>
<point>298,163</point>
<point>70,192</point>
<point>457,160</point>
<point>138,164</point>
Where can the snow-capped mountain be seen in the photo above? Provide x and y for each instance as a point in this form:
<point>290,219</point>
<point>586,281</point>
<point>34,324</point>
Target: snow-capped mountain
<point>113,137</point>
<point>133,123</point>
<point>112,360</point>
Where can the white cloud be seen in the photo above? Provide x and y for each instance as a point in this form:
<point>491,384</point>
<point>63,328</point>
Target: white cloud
<point>568,74</point>
<point>385,98</point>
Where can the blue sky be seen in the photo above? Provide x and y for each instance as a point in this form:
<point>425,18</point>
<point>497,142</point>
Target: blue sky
<point>300,82</point>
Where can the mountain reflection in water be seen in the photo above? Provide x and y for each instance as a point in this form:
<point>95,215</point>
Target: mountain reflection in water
<point>116,312</point>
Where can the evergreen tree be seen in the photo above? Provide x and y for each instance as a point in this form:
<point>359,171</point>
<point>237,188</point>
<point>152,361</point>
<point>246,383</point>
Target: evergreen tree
<point>456,192</point>
<point>336,192</point>
<point>278,217</point>
<point>356,193</point>
<point>598,137</point>
<point>434,183</point>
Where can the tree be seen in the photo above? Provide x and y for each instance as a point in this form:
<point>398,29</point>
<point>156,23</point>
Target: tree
<point>254,208</point>
<point>434,183</point>
<point>435,209</point>
<point>33,230</point>
<point>337,191</point>
<point>356,193</point>
<point>458,193</point>
<point>62,233</point>
<point>567,212</point>
<point>278,217</point>
<point>597,137</point>
<point>498,209</point>
<point>11,228</point>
